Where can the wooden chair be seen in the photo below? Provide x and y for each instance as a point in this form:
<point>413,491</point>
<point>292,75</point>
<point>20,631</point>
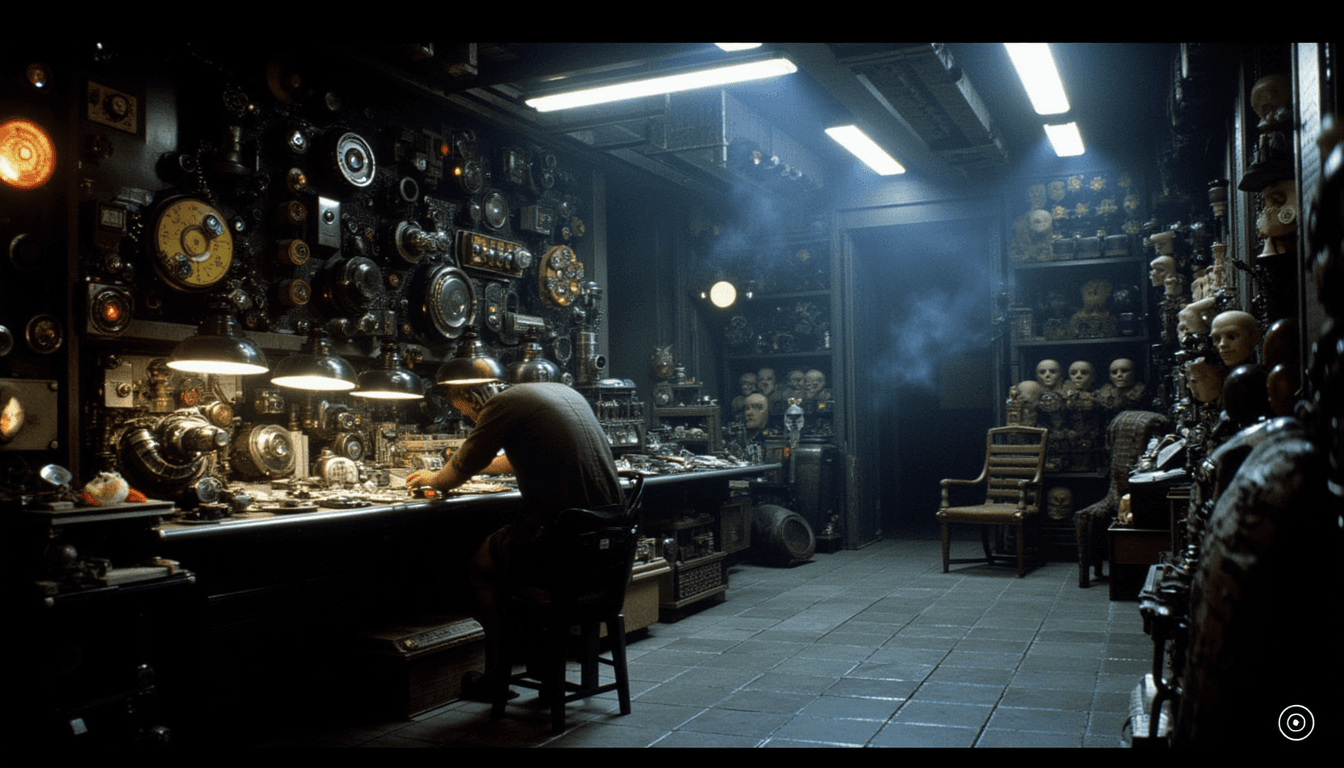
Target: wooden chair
<point>1014,462</point>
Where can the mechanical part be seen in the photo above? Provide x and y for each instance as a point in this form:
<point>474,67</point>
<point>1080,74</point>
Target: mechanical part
<point>506,257</point>
<point>353,158</point>
<point>591,365</point>
<point>413,243</point>
<point>111,108</point>
<point>294,293</point>
<point>293,252</point>
<point>191,247</point>
<point>44,334</point>
<point>495,210</point>
<point>350,445</point>
<point>170,454</point>
<point>264,451</point>
<point>25,253</point>
<point>110,309</point>
<point>351,286</point>
<point>537,218</point>
<point>335,470</point>
<point>27,153</point>
<point>445,302</point>
<point>561,276</point>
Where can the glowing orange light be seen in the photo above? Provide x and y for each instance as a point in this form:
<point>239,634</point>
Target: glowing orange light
<point>112,311</point>
<point>27,154</point>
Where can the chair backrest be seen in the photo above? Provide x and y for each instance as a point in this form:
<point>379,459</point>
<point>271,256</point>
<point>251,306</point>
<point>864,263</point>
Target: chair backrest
<point>586,556</point>
<point>1012,454</point>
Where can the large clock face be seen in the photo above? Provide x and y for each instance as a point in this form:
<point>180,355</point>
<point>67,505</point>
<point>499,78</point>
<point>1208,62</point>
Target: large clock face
<point>193,247</point>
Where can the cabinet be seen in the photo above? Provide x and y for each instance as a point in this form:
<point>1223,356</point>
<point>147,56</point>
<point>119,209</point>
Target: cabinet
<point>694,427</point>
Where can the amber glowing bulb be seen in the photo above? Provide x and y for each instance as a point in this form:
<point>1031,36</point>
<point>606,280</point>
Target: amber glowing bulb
<point>27,154</point>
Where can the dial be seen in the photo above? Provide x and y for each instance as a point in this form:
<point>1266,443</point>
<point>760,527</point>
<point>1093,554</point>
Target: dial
<point>192,245</point>
<point>447,301</point>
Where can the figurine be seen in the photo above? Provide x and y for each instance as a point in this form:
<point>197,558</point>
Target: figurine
<point>1235,334</point>
<point>109,488</point>
<point>663,366</point>
<point>795,387</point>
<point>814,382</point>
<point>1048,374</point>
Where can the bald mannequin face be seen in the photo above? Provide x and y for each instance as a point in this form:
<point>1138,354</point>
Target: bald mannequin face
<point>1122,373</point>
<point>1161,268</point>
<point>765,381</point>
<point>1235,335</point>
<point>1048,373</point>
<point>757,411</point>
<point>1081,375</point>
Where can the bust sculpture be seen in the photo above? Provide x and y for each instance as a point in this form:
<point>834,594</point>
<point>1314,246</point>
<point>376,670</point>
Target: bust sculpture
<point>1160,269</point>
<point>1124,390</point>
<point>767,384</point>
<point>814,382</point>
<point>747,384</point>
<point>1204,381</point>
<point>756,413</point>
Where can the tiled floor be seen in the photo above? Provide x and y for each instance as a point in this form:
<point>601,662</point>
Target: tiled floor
<point>875,647</point>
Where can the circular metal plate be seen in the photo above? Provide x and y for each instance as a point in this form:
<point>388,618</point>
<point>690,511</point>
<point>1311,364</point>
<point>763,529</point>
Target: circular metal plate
<point>448,301</point>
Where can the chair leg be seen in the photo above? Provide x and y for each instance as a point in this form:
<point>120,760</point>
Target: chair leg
<point>946,543</point>
<point>1083,532</point>
<point>984,542</point>
<point>1021,550</point>
<point>553,684</point>
<point>616,633</point>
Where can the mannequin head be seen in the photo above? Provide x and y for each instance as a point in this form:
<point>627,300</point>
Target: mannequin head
<point>1122,373</point>
<point>748,383</point>
<point>757,411</point>
<point>765,381</point>
<point>1269,96</point>
<point>814,383</point>
<point>1081,376</point>
<point>1160,269</point>
<point>1059,502</point>
<point>1279,218</point>
<point>1048,373</point>
<point>1205,384</point>
<point>1194,318</point>
<point>1028,394</point>
<point>1235,335</point>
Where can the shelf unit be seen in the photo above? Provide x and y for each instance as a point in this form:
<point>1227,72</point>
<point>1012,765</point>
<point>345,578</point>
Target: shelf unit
<point>695,427</point>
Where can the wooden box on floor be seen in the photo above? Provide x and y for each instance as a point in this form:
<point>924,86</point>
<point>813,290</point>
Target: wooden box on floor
<point>641,598</point>
<point>415,666</point>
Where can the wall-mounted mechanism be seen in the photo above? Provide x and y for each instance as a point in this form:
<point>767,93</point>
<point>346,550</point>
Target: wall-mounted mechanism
<point>353,160</point>
<point>191,245</point>
<point>495,210</point>
<point>413,243</point>
<point>264,451</point>
<point>505,257</point>
<point>444,302</point>
<point>110,309</point>
<point>561,276</point>
<point>112,108</point>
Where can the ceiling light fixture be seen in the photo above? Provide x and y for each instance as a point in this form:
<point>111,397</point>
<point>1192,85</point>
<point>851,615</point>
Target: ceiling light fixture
<point>1065,139</point>
<point>473,365</point>
<point>1036,68</point>
<point>730,47</point>
<point>704,78</point>
<point>391,380</point>
<point>864,148</point>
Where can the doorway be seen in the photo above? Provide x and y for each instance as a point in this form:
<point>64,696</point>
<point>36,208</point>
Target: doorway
<point>925,355</point>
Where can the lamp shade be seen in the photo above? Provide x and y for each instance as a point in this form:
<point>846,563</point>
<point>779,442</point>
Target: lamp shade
<point>315,368</point>
<point>533,367</point>
<point>391,380</point>
<point>472,365</point>
<point>219,347</point>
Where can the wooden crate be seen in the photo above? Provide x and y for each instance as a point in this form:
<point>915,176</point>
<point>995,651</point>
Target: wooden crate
<point>415,666</point>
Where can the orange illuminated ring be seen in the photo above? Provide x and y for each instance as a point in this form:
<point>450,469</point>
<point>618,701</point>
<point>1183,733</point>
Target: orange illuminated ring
<point>27,154</point>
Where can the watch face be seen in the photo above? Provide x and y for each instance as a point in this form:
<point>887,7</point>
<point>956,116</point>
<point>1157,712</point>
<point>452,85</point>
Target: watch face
<point>192,245</point>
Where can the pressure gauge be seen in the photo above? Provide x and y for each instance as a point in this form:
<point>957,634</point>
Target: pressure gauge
<point>192,245</point>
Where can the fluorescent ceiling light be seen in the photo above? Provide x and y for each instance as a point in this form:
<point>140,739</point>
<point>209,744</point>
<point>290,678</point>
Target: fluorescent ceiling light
<point>1065,139</point>
<point>734,73</point>
<point>1036,68</point>
<point>738,46</point>
<point>864,148</point>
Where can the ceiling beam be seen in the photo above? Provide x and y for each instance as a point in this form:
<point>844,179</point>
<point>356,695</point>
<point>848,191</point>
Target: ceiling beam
<point>874,114</point>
